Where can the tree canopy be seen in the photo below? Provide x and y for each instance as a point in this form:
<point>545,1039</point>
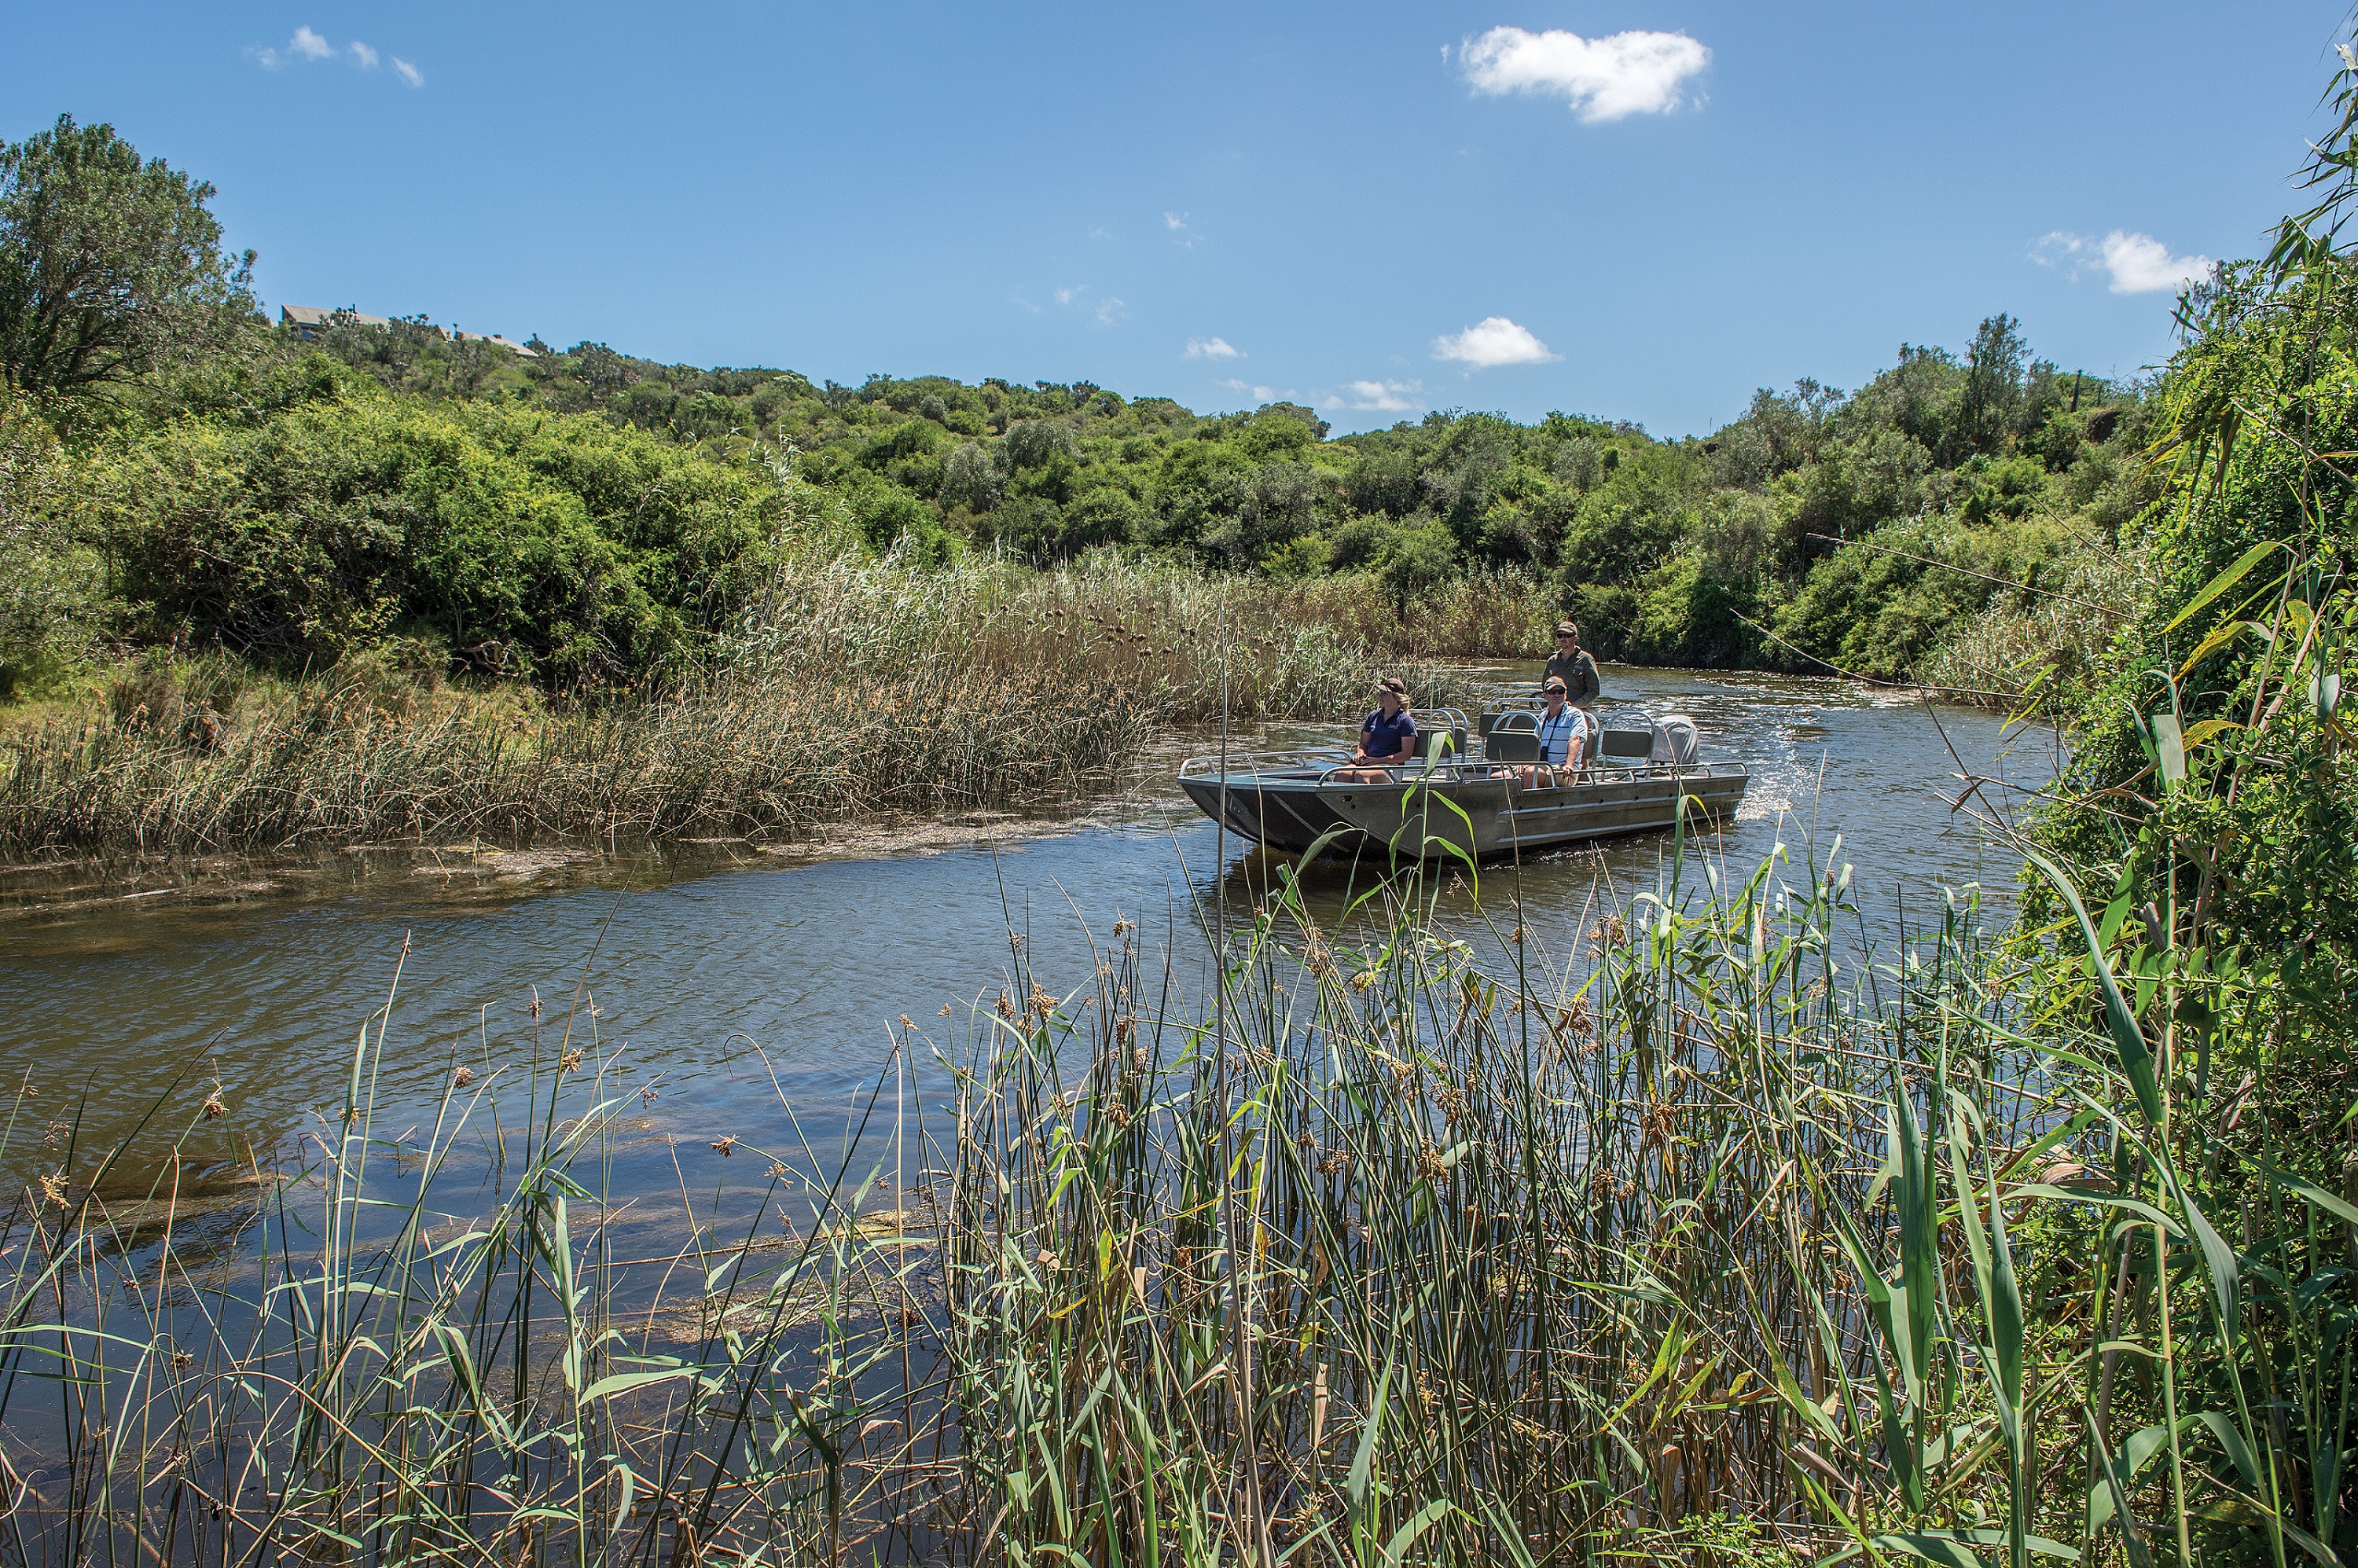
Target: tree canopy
<point>109,267</point>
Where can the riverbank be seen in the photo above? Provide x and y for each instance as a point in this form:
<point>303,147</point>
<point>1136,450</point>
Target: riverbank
<point>857,690</point>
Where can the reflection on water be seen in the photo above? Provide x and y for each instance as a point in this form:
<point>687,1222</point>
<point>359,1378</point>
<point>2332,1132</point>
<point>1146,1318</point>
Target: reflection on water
<point>718,966</point>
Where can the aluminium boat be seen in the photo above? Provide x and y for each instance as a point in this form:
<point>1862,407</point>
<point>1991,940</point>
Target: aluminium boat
<point>1464,794</point>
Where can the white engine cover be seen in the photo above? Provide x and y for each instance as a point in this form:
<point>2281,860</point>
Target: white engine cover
<point>1677,740</point>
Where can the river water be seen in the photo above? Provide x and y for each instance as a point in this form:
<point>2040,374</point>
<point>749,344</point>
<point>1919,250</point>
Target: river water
<point>734,975</point>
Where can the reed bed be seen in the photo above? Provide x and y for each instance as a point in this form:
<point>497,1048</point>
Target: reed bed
<point>1713,1241</point>
<point>2045,648</point>
<point>1696,1234</point>
<point>329,1367</point>
<point>857,689</point>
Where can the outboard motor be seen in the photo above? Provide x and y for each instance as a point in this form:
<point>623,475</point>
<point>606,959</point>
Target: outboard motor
<point>1677,740</point>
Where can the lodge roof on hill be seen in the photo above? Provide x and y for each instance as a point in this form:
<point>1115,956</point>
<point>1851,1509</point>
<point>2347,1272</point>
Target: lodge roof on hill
<point>309,320</point>
<point>307,317</point>
<point>508,343</point>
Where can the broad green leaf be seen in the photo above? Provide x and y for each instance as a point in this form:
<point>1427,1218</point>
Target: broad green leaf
<point>2239,1453</point>
<point>2136,1060</point>
<point>2308,1191</point>
<point>1396,1550</point>
<point>1931,1549</point>
<point>2109,1479</point>
<point>2224,582</point>
<point>2135,1454</point>
<point>2220,637</point>
<point>623,1382</point>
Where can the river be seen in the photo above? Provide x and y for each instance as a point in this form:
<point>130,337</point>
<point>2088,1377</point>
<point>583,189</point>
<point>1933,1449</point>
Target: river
<point>733,976</point>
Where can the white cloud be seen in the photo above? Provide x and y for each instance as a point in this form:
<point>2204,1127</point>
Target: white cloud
<point>1493,341</point>
<point>1261,394</point>
<point>1385,396</point>
<point>1213,349</point>
<point>2136,263</point>
<point>2142,264</point>
<point>1181,234</point>
<point>1074,297</point>
<point>1602,79</point>
<point>309,46</point>
<point>1098,234</point>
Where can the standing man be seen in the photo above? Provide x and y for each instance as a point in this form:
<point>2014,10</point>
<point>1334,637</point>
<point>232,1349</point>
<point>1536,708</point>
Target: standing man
<point>1571,664</point>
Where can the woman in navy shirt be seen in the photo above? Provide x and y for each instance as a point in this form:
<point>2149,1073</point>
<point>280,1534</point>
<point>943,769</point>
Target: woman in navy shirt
<point>1387,736</point>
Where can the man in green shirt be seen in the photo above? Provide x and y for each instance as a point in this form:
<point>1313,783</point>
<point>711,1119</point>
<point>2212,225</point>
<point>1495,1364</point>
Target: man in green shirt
<point>1571,664</point>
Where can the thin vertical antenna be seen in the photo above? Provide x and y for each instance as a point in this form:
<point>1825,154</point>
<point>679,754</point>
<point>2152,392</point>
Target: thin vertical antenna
<point>1220,898</point>
<point>1257,1547</point>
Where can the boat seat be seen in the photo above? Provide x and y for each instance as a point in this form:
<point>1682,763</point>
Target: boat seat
<point>1514,737</point>
<point>1491,720</point>
<point>1626,747</point>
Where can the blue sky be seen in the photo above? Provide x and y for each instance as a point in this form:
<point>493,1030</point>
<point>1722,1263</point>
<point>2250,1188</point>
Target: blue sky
<point>1641,210</point>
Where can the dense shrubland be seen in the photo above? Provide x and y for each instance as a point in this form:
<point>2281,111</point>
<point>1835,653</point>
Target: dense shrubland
<point>200,481</point>
<point>1727,550</point>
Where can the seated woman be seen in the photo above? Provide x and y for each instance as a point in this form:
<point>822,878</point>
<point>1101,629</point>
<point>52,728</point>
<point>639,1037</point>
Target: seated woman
<point>1564,736</point>
<point>1386,737</point>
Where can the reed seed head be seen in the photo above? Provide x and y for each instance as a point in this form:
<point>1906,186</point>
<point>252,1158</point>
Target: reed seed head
<point>724,1144</point>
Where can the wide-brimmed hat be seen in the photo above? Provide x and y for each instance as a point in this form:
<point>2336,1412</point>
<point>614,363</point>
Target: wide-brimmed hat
<point>1394,685</point>
<point>1556,683</point>
<point>1566,629</point>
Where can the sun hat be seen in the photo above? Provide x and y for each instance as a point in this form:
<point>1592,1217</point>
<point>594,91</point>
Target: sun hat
<point>1566,629</point>
<point>1556,683</point>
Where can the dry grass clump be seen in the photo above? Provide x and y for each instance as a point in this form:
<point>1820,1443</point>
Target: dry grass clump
<point>858,688</point>
<point>2044,649</point>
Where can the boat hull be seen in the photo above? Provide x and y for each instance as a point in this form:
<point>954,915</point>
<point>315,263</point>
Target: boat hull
<point>1478,813</point>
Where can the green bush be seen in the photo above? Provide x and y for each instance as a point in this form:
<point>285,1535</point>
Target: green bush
<point>552,545</point>
<point>52,596</point>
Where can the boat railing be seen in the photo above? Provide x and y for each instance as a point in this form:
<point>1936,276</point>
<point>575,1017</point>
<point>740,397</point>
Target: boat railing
<point>1302,759</point>
<point>1452,770</point>
<point>1331,764</point>
<point>1430,721</point>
